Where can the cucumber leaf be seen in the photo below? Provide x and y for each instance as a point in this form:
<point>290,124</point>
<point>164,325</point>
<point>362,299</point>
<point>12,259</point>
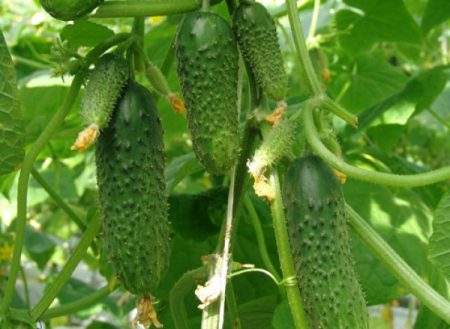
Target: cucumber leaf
<point>12,133</point>
<point>439,245</point>
<point>436,12</point>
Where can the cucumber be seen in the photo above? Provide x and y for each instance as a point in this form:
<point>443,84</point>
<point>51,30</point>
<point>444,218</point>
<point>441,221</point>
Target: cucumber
<point>315,215</point>
<point>257,37</point>
<point>133,202</point>
<point>103,89</point>
<point>207,65</point>
<point>68,10</point>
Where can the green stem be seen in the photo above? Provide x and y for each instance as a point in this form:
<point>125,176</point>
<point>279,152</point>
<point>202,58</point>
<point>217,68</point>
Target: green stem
<point>133,8</point>
<point>55,196</point>
<point>285,256</point>
<point>315,16</point>
<point>205,5</point>
<point>281,11</point>
<point>27,166</point>
<point>261,241</point>
<point>185,284</point>
<point>325,102</point>
<point>407,277</point>
<point>439,118</point>
<point>31,63</point>
<point>303,57</point>
<point>138,32</point>
<point>26,291</point>
<point>430,177</point>
<point>232,308</point>
<point>81,304</point>
<point>62,278</point>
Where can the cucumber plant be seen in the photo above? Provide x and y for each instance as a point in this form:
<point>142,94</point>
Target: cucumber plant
<point>170,222</point>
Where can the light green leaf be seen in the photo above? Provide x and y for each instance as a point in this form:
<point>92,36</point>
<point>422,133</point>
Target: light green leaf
<point>386,136</point>
<point>85,33</point>
<point>372,21</point>
<point>372,80</point>
<point>439,247</point>
<point>436,12</point>
<point>12,134</point>
<point>282,318</point>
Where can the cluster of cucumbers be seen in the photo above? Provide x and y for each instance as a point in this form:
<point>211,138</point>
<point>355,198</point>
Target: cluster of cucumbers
<point>130,160</point>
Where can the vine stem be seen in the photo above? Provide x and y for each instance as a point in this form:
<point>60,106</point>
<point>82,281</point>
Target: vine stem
<point>376,177</point>
<point>262,246</point>
<point>78,253</point>
<point>299,41</point>
<point>285,256</point>
<point>226,254</point>
<point>28,162</point>
<point>185,284</point>
<point>59,201</point>
<point>314,18</point>
<point>81,304</point>
<point>405,274</point>
<point>133,8</point>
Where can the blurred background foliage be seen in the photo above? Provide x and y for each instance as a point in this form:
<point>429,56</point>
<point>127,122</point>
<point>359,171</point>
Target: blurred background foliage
<point>386,61</point>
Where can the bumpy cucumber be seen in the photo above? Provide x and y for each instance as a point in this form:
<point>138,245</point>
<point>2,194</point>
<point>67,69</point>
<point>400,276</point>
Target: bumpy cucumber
<point>67,10</point>
<point>104,87</point>
<point>134,208</point>
<point>207,65</point>
<point>257,37</point>
<point>315,215</point>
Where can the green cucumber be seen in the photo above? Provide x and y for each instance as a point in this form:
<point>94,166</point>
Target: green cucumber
<point>315,215</point>
<point>103,89</point>
<point>207,65</point>
<point>68,10</point>
<point>257,37</point>
<point>133,202</point>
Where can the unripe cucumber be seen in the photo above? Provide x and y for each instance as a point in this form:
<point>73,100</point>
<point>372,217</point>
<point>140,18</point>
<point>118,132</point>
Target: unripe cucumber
<point>315,215</point>
<point>207,65</point>
<point>257,37</point>
<point>103,89</point>
<point>133,202</point>
<point>67,10</point>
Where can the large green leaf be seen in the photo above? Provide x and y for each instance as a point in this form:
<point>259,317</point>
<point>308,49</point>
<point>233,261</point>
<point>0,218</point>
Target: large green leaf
<point>371,81</point>
<point>439,247</point>
<point>372,21</point>
<point>436,12</point>
<point>12,132</point>
<point>85,33</point>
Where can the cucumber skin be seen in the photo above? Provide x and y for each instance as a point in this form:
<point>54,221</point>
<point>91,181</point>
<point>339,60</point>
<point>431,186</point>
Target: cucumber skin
<point>103,89</point>
<point>207,65</point>
<point>68,10</point>
<point>257,37</point>
<point>315,215</point>
<point>133,201</point>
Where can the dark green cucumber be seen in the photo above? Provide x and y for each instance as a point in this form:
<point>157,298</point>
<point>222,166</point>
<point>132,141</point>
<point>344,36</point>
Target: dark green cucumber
<point>207,65</point>
<point>257,37</point>
<point>315,215</point>
<point>103,89</point>
<point>67,10</point>
<point>133,202</point>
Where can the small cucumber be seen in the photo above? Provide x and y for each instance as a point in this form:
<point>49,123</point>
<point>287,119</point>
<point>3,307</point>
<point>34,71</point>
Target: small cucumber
<point>207,65</point>
<point>257,37</point>
<point>133,202</point>
<point>315,215</point>
<point>68,10</point>
<point>103,89</point>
